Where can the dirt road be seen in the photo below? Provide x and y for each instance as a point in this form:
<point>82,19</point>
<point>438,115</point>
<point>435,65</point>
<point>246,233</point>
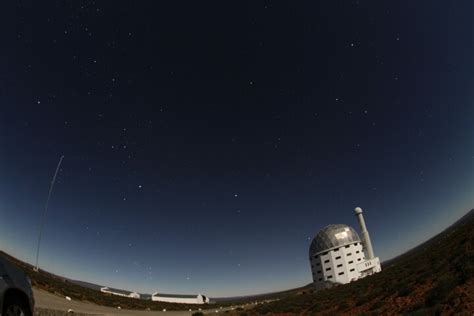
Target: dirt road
<point>46,300</point>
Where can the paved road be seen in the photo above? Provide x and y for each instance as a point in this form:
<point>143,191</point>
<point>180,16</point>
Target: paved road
<point>50,301</point>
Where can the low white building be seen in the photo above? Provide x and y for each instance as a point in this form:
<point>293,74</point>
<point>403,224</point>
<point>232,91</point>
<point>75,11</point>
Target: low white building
<point>180,298</point>
<point>338,256</point>
<point>119,292</point>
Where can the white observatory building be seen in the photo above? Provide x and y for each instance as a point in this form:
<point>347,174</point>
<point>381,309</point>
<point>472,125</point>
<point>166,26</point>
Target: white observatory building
<point>180,298</point>
<point>117,292</point>
<point>339,256</point>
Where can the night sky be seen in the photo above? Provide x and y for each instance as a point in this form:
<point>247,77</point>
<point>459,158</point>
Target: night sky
<point>207,143</point>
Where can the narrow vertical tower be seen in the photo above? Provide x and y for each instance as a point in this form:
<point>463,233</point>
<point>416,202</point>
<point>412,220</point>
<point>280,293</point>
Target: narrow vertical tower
<point>365,233</point>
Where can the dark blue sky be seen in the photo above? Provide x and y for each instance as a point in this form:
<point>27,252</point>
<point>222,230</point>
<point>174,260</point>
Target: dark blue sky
<point>206,144</point>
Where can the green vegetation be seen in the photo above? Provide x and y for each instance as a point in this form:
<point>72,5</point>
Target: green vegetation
<point>434,278</point>
<point>63,287</point>
<point>441,290</point>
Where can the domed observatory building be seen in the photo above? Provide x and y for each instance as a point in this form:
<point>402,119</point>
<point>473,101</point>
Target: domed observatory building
<point>338,255</point>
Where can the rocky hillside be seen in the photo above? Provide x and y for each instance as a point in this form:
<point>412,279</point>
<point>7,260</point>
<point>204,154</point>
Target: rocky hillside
<point>435,278</point>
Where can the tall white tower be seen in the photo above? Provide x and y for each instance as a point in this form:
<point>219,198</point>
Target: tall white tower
<point>365,234</point>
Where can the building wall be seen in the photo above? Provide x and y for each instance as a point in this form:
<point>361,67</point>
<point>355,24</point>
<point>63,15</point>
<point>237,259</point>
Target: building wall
<point>337,265</point>
<point>369,267</point>
<point>131,295</point>
<point>198,299</point>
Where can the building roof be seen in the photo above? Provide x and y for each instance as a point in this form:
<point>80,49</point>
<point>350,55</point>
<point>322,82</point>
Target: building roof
<point>333,236</point>
<point>175,295</point>
<point>117,290</point>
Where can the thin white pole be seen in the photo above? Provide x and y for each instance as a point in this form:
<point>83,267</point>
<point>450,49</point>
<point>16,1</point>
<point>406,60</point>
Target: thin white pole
<point>45,210</point>
<point>365,233</point>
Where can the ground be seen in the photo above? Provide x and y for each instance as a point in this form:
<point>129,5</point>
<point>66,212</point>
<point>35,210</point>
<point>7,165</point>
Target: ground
<point>47,303</point>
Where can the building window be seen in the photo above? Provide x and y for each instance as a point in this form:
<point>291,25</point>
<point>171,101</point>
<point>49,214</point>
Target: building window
<point>325,253</point>
<point>341,273</point>
<point>319,272</point>
<point>320,279</point>
<point>329,276</point>
<point>337,249</point>
<point>358,259</point>
<point>349,254</point>
<point>317,263</point>
<point>326,261</point>
<point>339,265</point>
<point>352,270</point>
<point>347,246</point>
<point>338,257</point>
<point>357,251</point>
<point>351,262</point>
<point>328,269</point>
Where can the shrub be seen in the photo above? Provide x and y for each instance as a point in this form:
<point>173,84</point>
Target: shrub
<point>405,290</point>
<point>438,293</point>
<point>377,305</point>
<point>343,305</point>
<point>361,300</point>
<point>315,308</point>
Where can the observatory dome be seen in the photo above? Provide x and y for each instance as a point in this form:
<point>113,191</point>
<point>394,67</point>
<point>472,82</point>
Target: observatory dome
<point>333,236</point>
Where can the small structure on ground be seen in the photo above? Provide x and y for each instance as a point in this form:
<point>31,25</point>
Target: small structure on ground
<point>117,292</point>
<point>180,298</point>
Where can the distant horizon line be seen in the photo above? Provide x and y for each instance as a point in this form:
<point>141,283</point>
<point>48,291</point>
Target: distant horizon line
<point>244,295</point>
